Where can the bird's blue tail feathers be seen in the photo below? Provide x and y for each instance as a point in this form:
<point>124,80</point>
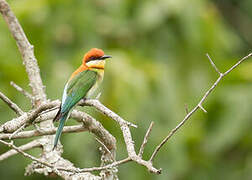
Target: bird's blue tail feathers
<point>62,120</point>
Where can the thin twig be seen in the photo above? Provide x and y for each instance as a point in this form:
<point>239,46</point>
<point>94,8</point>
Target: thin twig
<point>25,93</point>
<point>186,108</point>
<point>105,147</point>
<point>35,133</point>
<point>140,154</point>
<point>199,105</point>
<point>48,110</point>
<point>30,145</point>
<point>11,145</point>
<point>214,66</point>
<point>202,108</point>
<point>99,106</point>
<point>114,164</point>
<point>237,64</point>
<point>11,104</point>
<point>17,131</point>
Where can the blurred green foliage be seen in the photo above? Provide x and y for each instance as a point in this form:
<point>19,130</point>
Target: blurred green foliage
<point>158,66</point>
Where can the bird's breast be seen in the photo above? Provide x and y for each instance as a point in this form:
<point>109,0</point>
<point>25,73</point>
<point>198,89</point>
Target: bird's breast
<point>96,85</point>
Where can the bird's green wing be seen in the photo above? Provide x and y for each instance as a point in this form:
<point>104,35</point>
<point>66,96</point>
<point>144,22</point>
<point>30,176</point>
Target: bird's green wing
<point>77,88</point>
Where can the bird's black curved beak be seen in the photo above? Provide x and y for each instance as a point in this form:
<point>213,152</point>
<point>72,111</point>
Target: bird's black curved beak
<point>105,57</point>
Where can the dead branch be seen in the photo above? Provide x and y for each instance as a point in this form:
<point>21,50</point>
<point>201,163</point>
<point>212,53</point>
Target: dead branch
<point>97,129</point>
<point>105,147</point>
<point>141,150</point>
<point>11,145</point>
<point>27,52</point>
<point>26,118</point>
<point>106,111</point>
<point>42,132</point>
<point>25,93</point>
<point>30,145</point>
<point>199,105</point>
<point>11,104</point>
<point>124,125</point>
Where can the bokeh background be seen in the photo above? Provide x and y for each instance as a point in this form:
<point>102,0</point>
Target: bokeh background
<point>158,66</point>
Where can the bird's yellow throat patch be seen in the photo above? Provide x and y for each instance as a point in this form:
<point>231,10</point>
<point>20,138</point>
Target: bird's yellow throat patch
<point>96,64</point>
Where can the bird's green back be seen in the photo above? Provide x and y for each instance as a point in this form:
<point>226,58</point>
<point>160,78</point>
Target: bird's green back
<point>77,88</point>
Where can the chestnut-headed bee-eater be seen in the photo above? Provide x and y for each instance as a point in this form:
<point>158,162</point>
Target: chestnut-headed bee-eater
<point>81,84</point>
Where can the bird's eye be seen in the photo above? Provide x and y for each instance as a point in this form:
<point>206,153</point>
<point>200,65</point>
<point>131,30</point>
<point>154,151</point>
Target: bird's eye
<point>92,58</point>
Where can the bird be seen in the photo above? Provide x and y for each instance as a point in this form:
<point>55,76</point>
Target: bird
<point>81,85</point>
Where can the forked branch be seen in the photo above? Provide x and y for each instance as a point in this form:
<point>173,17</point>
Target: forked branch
<point>199,105</point>
<point>27,52</point>
<point>11,104</point>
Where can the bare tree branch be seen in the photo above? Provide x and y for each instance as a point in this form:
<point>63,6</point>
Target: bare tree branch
<point>29,117</point>
<point>140,154</point>
<point>96,128</point>
<point>25,93</point>
<point>237,64</point>
<point>105,147</point>
<point>105,167</point>
<point>58,171</point>
<point>75,170</point>
<point>17,131</point>
<point>11,145</point>
<point>214,66</point>
<point>21,151</point>
<point>90,123</point>
<point>35,133</point>
<point>106,111</point>
<point>124,125</point>
<point>27,52</point>
<point>203,109</point>
<point>199,105</point>
<point>30,145</point>
<point>11,104</point>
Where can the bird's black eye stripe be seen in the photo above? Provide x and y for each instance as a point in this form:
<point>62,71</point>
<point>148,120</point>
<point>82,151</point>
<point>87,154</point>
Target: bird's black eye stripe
<point>92,58</point>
